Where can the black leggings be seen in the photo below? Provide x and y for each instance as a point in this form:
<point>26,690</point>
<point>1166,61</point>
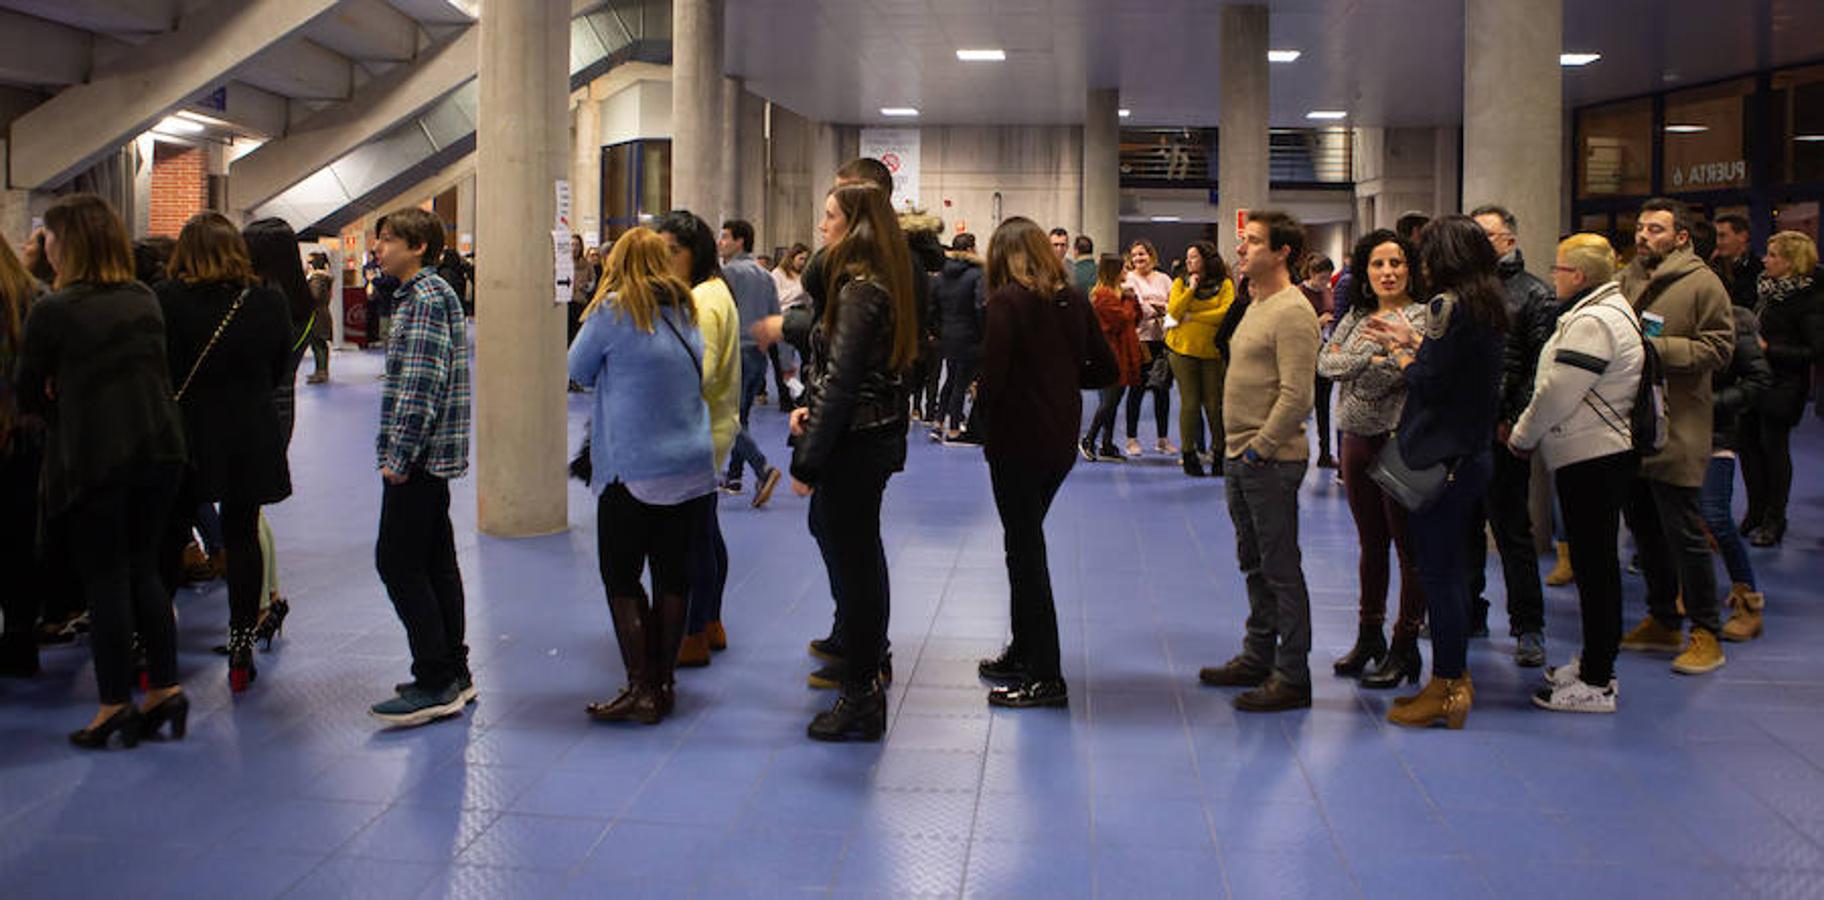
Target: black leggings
<point>240,524</point>
<point>1103,422</point>
<point>1162,397</point>
<point>1022,496</point>
<point>116,550</point>
<point>959,373</point>
<point>1766,454</point>
<point>26,582</point>
<point>845,520</point>
<point>1591,494</point>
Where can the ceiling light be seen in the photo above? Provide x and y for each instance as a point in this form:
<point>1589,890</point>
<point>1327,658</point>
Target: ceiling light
<point>1573,60</point>
<point>1809,138</point>
<point>1686,129</point>
<point>899,111</point>
<point>1283,56</point>
<point>981,55</point>
<point>1126,112</point>
<point>1167,219</point>
<point>175,125</point>
<point>1326,114</point>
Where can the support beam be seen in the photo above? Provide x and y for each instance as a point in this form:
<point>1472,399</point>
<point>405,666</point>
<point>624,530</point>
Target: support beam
<point>366,30</point>
<point>35,51</point>
<point>1241,149</point>
<point>1102,170</point>
<point>696,105</point>
<point>83,123</point>
<point>250,110</point>
<point>302,69</point>
<point>1513,117</point>
<point>522,146</point>
<point>328,135</point>
<point>142,17</point>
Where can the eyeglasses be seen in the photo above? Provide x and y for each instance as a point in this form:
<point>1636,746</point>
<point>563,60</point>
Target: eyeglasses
<point>1565,269</point>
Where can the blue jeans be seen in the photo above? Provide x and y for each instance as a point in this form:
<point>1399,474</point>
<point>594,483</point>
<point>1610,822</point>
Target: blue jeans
<point>753,384</point>
<point>1719,516</point>
<point>1441,556</point>
<point>707,562</point>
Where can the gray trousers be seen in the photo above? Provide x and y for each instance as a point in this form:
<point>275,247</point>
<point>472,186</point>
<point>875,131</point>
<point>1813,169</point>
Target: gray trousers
<point>1263,502</point>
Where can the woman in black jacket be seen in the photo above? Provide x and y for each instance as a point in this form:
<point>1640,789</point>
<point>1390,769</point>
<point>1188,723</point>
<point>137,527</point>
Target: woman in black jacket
<point>957,296</point>
<point>1735,389</point>
<point>1791,311</point>
<point>1044,347</point>
<point>92,363</point>
<point>851,435</point>
<point>1453,377</point>
<point>228,341</point>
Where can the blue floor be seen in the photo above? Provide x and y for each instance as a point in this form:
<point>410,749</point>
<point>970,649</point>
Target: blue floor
<point>1149,786</point>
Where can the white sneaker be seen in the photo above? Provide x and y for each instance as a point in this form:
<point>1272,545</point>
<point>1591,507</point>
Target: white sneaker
<point>1133,448</point>
<point>1572,673</point>
<point>1577,697</point>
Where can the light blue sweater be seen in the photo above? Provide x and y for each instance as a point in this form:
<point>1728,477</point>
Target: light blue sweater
<point>650,429</point>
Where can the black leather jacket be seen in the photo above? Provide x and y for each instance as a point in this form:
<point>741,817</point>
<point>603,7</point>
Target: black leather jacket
<point>853,392</point>
<point>1739,386</point>
<point>1532,312</point>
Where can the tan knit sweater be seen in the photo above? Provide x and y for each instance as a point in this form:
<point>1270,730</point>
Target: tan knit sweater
<point>1272,375</point>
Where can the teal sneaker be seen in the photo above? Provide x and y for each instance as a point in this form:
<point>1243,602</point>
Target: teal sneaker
<point>414,706</point>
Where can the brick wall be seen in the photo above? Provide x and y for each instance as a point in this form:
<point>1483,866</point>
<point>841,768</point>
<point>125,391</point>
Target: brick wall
<point>180,186</point>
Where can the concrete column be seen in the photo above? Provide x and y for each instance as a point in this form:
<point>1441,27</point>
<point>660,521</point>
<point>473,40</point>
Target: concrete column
<point>728,176</point>
<point>521,153</point>
<point>15,209</point>
<point>1102,170</point>
<point>1513,117</point>
<point>696,106</point>
<point>465,208</point>
<point>826,157</point>
<point>586,166</point>
<point>1241,149</point>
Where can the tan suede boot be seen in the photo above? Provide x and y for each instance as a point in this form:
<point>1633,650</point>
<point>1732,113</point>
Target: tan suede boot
<point>1445,700</point>
<point>1745,614</point>
<point>1561,573</point>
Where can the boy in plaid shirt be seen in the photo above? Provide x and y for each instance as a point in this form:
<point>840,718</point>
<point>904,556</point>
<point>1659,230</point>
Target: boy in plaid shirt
<point>423,443</point>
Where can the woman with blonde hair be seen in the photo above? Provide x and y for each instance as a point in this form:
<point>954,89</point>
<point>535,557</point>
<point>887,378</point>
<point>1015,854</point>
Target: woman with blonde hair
<point>1791,310</point>
<point>651,460</point>
<point>228,340</point>
<point>92,363</point>
<point>1042,348</point>
<point>851,435</point>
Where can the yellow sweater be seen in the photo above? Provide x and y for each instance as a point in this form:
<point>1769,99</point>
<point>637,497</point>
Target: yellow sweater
<point>1198,320</point>
<point>721,327</point>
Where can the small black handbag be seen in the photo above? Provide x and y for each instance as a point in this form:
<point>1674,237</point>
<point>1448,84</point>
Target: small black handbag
<point>1414,489</point>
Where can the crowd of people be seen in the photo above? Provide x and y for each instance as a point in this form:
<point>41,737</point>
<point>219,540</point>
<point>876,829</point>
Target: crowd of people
<point>146,397</point>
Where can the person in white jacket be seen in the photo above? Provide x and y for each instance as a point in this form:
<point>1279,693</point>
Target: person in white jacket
<point>1578,421</point>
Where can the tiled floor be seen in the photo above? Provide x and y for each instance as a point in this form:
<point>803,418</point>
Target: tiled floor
<point>1149,786</point>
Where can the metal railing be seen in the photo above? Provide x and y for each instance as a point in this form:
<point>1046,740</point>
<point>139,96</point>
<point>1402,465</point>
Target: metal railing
<point>1186,157</point>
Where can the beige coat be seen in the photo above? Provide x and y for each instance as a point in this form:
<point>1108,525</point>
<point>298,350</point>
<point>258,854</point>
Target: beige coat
<point>1267,392</point>
<point>1698,339</point>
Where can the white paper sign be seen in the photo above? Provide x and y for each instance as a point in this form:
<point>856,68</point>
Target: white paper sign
<point>563,205</point>
<point>563,265</point>
<point>898,149</point>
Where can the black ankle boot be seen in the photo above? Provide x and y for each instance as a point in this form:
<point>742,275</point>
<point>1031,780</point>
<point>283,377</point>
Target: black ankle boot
<point>860,714</point>
<point>1192,465</point>
<point>1402,663</point>
<point>1478,618</point>
<point>1370,647</point>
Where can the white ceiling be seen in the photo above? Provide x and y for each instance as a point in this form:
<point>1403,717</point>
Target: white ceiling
<point>1389,62</point>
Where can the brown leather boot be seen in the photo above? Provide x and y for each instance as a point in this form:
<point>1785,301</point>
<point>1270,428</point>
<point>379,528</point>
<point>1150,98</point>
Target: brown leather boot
<point>694,652</point>
<point>718,636</point>
<point>1445,700</point>
<point>1745,614</point>
<point>631,626</point>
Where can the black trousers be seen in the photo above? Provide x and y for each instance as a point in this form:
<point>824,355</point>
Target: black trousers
<point>117,529</point>
<point>706,559</point>
<point>1162,397</point>
<point>1766,454</point>
<point>1505,511</point>
<point>845,520</point>
<point>1102,423</point>
<point>415,554</point>
<point>1591,494</point>
<point>1023,495</point>
<point>27,584</point>
<point>1441,557</point>
<point>631,535</point>
<point>959,373</point>
<point>1668,526</point>
<point>1321,409</point>
<point>784,401</point>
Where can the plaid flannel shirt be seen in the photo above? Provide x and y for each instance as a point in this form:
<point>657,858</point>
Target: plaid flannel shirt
<point>424,405</point>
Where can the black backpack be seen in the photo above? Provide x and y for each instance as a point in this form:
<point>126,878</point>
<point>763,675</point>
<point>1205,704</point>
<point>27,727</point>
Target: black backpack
<point>1647,428</point>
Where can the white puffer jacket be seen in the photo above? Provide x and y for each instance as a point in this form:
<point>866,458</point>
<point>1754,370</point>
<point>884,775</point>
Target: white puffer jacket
<point>1589,371</point>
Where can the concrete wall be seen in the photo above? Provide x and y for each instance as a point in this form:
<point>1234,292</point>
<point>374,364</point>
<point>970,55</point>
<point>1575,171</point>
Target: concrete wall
<point>1036,169</point>
<point>1402,169</point>
<point>639,110</point>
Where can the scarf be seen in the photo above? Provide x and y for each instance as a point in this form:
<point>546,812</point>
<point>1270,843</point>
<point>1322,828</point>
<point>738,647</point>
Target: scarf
<point>1775,291</point>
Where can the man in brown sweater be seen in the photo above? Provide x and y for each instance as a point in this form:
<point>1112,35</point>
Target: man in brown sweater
<point>1685,314</point>
<point>1267,394</point>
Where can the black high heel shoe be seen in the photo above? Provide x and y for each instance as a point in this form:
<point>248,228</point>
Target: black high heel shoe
<point>241,671</point>
<point>1402,664</point>
<point>272,624</point>
<point>126,722</point>
<point>174,709</point>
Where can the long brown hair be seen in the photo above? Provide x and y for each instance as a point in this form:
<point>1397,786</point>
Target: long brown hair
<point>16,289</point>
<point>92,244</point>
<point>873,249</point>
<point>1109,270</point>
<point>637,280</point>
<point>210,248</point>
<point>1020,253</point>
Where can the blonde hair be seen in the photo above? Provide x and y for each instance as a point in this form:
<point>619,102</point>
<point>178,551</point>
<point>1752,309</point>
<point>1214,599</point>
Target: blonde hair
<point>637,280</point>
<point>1796,248</point>
<point>1591,254</point>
